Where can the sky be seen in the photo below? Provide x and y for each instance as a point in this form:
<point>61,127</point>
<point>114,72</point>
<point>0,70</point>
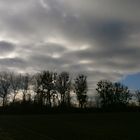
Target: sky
<point>100,38</point>
<point>132,81</point>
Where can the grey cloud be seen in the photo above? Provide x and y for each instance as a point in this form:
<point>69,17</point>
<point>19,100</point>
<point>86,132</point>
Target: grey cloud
<point>50,34</point>
<point>51,48</point>
<point>13,63</point>
<point>6,47</point>
<point>44,59</point>
<point>115,9</point>
<point>41,50</point>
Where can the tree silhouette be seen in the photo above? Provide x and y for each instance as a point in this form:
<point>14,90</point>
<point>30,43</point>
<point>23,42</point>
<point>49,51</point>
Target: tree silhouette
<point>104,89</point>
<point>25,83</point>
<point>38,89</point>
<point>48,85</point>
<point>138,96</point>
<point>63,86</point>
<point>121,94</point>
<point>80,88</point>
<point>45,82</point>
<point>54,90</point>
<point>112,94</point>
<point>15,81</point>
<point>4,87</point>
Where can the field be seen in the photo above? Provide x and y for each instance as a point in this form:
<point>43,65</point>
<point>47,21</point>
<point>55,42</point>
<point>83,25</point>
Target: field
<point>94,126</point>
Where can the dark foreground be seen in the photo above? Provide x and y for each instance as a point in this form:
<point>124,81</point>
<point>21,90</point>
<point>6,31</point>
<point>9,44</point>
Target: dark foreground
<point>95,126</point>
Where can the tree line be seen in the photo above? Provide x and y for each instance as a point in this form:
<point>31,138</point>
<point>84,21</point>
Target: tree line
<point>43,89</point>
<point>49,90</point>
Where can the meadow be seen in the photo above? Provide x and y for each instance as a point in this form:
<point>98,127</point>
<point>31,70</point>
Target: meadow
<point>90,126</point>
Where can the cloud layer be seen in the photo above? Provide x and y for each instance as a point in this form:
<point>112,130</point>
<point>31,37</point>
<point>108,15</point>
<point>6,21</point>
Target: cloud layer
<point>97,37</point>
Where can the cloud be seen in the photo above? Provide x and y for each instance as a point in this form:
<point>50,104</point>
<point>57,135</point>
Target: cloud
<point>99,38</point>
<point>6,48</point>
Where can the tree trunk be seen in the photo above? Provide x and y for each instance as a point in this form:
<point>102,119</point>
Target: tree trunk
<point>4,101</point>
<point>14,98</point>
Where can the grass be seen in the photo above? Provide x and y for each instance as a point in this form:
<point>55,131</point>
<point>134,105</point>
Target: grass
<point>94,126</point>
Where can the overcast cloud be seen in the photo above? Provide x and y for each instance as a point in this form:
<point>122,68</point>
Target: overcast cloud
<point>98,37</point>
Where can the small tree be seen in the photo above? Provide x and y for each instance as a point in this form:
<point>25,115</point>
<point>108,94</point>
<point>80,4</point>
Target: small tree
<point>44,86</point>
<point>121,94</point>
<point>138,96</point>
<point>63,86</point>
<point>80,88</point>
<point>24,85</point>
<point>15,81</point>
<point>113,94</point>
<point>104,90</point>
<point>4,87</point>
<point>38,89</point>
<point>48,85</point>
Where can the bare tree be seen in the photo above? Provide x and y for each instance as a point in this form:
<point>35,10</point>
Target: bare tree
<point>4,87</point>
<point>104,90</point>
<point>38,89</point>
<point>25,83</point>
<point>81,89</point>
<point>63,86</point>
<point>48,85</point>
<point>44,86</point>
<point>15,81</point>
<point>121,93</point>
<point>138,96</point>
<point>113,94</point>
